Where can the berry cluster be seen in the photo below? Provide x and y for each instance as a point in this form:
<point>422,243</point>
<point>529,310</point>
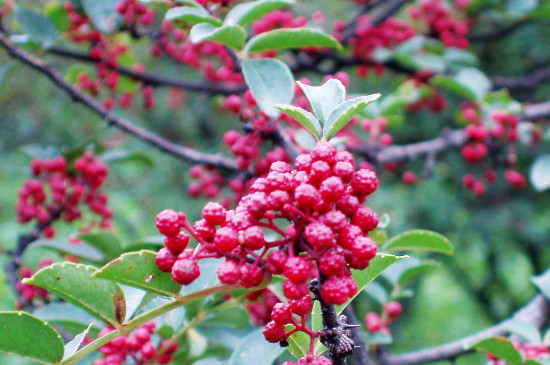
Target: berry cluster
<point>137,346</point>
<point>368,38</point>
<point>325,234</point>
<point>68,189</point>
<point>502,127</point>
<point>439,17</point>
<point>533,351</point>
<point>376,323</point>
<point>135,12</point>
<point>217,63</point>
<point>30,292</point>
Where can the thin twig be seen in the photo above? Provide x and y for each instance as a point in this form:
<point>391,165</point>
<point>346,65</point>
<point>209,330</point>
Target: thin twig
<point>181,152</point>
<point>536,312</point>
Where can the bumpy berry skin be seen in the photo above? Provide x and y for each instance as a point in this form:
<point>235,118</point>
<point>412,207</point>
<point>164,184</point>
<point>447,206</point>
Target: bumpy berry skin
<point>214,213</point>
<point>176,244</point>
<point>185,271</point>
<point>365,218</point>
<point>364,248</point>
<point>314,360</point>
<point>301,306</point>
<point>319,235</point>
<point>226,239</point>
<point>297,269</point>
<point>274,332</point>
<point>281,314</point>
<point>251,276</point>
<point>275,262</point>
<point>168,222</point>
<point>254,238</point>
<point>365,182</point>
<point>228,272</point>
<point>294,291</point>
<point>165,259</point>
<point>337,290</point>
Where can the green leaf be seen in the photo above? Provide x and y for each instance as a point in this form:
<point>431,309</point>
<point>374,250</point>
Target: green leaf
<point>363,277</point>
<point>24,335</point>
<point>476,80</point>
<point>453,85</point>
<point>302,116</point>
<point>298,343</point>
<point>138,269</point>
<point>192,15</point>
<point>543,283</point>
<point>39,28</point>
<point>271,83</point>
<point>500,347</point>
<point>57,14</point>
<point>421,61</point>
<point>526,330</point>
<point>232,36</point>
<point>103,14</point>
<point>192,3</point>
<point>68,316</point>
<point>412,272</point>
<point>243,14</point>
<point>540,173</point>
<point>341,115</point>
<point>420,240</point>
<point>105,242</point>
<point>305,139</point>
<point>254,349</point>
<point>75,284</point>
<point>323,99</point>
<point>290,38</point>
<point>75,343</point>
<point>81,250</point>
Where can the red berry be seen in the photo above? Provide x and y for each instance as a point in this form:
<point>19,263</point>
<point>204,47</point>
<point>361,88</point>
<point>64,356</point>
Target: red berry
<point>214,213</point>
<point>168,222</point>
<point>281,314</point>
<point>319,235</point>
<point>226,239</point>
<point>274,332</point>
<point>251,275</point>
<point>373,322</point>
<point>165,259</point>
<point>364,248</point>
<point>364,182</point>
<point>228,272</point>
<point>393,309</point>
<point>275,262</point>
<point>176,244</point>
<point>297,269</point>
<point>294,291</point>
<point>185,271</point>
<point>254,238</point>
<point>332,263</point>
<point>301,306</point>
<point>365,218</point>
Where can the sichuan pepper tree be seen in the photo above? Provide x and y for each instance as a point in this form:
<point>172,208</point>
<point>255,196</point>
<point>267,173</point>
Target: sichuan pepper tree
<point>287,238</point>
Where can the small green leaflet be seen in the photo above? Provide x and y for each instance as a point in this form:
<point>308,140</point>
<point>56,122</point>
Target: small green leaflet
<point>39,28</point>
<point>343,112</point>
<point>191,15</point>
<point>246,13</point>
<point>232,36</point>
<point>501,347</point>
<point>418,239</point>
<point>290,38</point>
<point>323,99</point>
<point>302,116</point>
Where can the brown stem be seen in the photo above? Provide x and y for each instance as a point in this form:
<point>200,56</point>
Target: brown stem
<point>181,152</point>
<point>535,312</point>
